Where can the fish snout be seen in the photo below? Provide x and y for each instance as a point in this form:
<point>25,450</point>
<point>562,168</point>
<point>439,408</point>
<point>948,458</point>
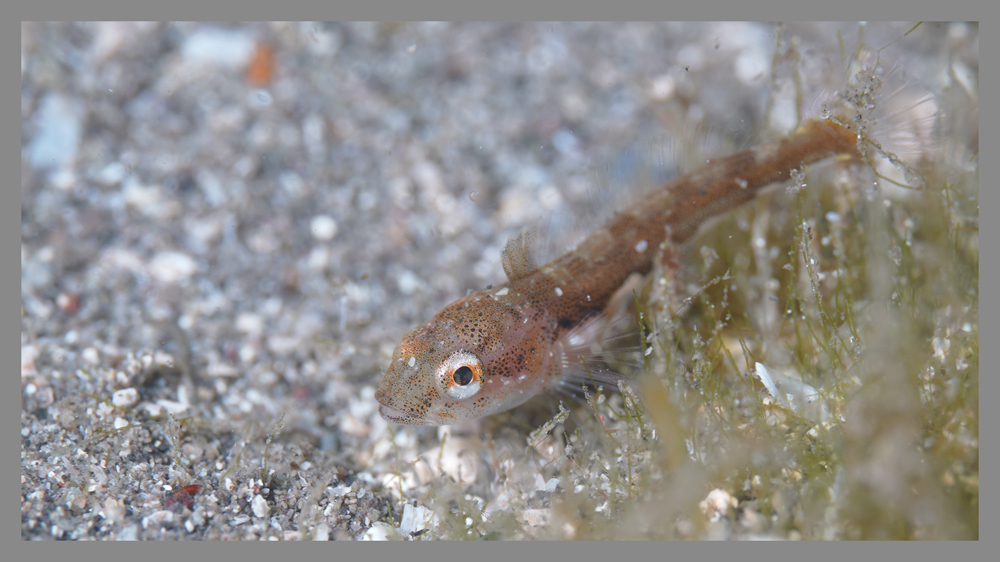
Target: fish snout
<point>390,414</point>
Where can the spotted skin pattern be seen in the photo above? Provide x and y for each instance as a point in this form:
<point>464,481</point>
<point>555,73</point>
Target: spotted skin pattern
<point>510,336</point>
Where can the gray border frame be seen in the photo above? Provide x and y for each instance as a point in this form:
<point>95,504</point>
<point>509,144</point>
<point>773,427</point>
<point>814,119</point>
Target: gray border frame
<point>534,10</point>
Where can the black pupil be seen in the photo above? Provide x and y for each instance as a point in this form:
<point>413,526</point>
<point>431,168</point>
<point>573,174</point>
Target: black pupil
<point>463,375</point>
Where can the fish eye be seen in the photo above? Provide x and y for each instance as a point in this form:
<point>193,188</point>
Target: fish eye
<point>461,375</point>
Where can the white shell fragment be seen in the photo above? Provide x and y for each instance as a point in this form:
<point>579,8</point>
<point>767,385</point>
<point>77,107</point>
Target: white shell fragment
<point>125,398</point>
<point>379,531</point>
<point>717,504</point>
<point>793,394</point>
<point>259,506</point>
<point>416,519</point>
<point>172,267</point>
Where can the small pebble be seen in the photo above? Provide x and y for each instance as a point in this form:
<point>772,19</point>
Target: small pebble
<point>91,355</point>
<point>323,227</point>
<point>171,267</point>
<point>158,519</point>
<point>57,140</point>
<point>717,504</point>
<point>213,46</point>
<point>130,533</point>
<point>379,532</point>
<point>113,510</point>
<point>259,506</point>
<point>322,532</point>
<point>125,398</point>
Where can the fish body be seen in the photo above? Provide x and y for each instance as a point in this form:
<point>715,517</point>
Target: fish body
<point>494,349</point>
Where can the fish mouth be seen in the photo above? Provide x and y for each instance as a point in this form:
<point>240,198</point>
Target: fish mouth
<point>391,414</point>
<point>387,412</point>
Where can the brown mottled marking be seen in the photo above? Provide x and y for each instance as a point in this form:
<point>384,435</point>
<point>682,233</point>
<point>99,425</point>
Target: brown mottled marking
<point>509,338</point>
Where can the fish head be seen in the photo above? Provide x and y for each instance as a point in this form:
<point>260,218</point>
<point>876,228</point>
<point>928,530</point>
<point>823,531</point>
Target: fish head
<point>476,357</point>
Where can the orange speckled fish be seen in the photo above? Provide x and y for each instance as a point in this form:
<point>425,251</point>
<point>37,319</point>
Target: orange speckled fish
<point>494,349</point>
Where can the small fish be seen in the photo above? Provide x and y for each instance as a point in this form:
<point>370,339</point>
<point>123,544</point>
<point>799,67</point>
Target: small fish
<point>492,350</point>
<point>495,349</point>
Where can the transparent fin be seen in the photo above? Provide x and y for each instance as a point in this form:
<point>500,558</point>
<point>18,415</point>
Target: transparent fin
<point>516,256</point>
<point>897,120</point>
<point>600,352</point>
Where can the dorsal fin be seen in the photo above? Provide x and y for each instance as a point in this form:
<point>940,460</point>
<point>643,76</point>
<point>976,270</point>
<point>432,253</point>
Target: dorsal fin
<point>516,255</point>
